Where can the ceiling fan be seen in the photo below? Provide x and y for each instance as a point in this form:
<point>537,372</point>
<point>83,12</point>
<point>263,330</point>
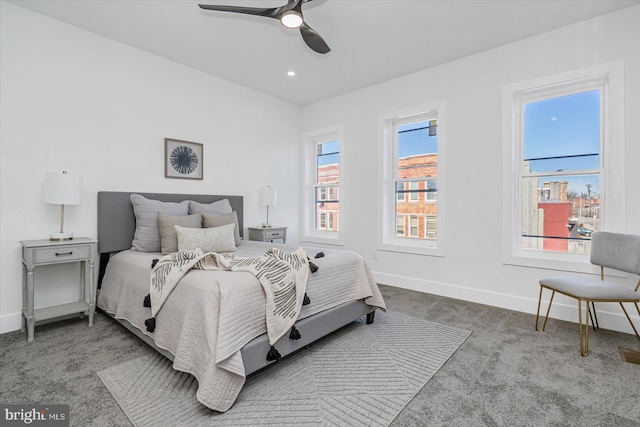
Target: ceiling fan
<point>289,15</point>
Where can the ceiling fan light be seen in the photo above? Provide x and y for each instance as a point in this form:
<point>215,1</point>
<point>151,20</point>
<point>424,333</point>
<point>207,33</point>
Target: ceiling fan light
<point>291,19</point>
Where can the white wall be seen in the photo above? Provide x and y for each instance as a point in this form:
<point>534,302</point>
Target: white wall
<point>75,101</point>
<point>472,87</point>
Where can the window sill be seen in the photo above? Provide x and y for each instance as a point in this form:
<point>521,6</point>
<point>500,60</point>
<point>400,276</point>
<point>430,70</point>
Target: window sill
<point>559,262</point>
<point>412,249</point>
<point>337,241</point>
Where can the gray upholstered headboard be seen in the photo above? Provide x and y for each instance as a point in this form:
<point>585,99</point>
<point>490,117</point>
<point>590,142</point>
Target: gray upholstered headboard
<point>117,222</point>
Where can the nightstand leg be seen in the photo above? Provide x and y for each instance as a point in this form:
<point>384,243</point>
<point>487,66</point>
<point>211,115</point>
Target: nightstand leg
<point>92,301</point>
<point>31,321</point>
<point>23,314</point>
<point>83,284</point>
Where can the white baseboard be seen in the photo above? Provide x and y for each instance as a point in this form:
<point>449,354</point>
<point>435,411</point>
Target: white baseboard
<point>10,322</point>
<point>615,321</point>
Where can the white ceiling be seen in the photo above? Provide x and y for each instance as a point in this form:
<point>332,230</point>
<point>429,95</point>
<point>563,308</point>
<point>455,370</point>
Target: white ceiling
<point>371,40</point>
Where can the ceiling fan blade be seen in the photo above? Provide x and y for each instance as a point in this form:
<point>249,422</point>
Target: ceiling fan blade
<point>271,12</point>
<point>313,39</point>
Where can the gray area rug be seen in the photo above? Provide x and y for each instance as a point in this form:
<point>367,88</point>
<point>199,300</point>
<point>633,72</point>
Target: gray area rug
<point>362,375</point>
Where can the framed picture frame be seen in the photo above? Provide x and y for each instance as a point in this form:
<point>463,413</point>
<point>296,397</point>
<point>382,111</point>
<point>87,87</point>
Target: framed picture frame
<point>182,159</point>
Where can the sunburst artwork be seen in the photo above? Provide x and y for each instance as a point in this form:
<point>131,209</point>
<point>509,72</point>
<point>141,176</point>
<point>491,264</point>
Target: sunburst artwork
<point>182,159</point>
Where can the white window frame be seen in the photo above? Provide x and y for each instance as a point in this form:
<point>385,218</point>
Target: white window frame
<point>310,141</point>
<point>612,175</point>
<point>387,126</point>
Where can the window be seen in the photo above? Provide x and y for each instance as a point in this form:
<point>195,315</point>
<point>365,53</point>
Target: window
<point>413,226</point>
<point>430,227</point>
<point>563,166</point>
<point>414,187</point>
<point>322,187</point>
<point>411,163</point>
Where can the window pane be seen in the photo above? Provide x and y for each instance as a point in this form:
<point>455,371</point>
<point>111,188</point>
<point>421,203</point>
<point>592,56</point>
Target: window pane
<point>413,195</point>
<point>432,189</point>
<point>399,191</point>
<point>400,225</point>
<point>420,202</point>
<point>413,231</point>
<point>431,228</point>
<point>417,150</point>
<point>324,208</point>
<point>562,133</point>
<point>328,162</point>
<point>559,213</point>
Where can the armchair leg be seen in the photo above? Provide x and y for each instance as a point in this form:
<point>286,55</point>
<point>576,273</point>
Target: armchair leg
<point>594,318</point>
<point>629,318</point>
<point>548,308</point>
<point>546,317</point>
<point>584,336</point>
<point>538,312</point>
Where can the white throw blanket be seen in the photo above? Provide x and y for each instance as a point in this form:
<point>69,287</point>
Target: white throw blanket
<point>283,278</point>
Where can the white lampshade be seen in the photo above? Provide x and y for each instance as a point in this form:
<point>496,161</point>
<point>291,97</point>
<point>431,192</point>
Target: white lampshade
<point>268,196</point>
<point>62,188</point>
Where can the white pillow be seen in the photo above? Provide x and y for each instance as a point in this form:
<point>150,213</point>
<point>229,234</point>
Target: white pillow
<point>215,239</point>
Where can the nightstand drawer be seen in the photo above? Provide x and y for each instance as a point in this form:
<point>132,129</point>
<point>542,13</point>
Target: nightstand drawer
<point>62,253</point>
<point>273,234</point>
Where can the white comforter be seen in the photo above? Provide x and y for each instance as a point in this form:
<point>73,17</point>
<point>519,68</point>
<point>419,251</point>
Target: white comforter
<point>211,315</point>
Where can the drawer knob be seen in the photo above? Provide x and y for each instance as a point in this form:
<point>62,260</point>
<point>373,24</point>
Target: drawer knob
<point>64,253</point>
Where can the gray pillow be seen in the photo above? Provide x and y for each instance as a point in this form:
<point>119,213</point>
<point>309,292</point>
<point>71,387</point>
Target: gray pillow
<point>147,234</point>
<point>218,207</point>
<point>168,235</point>
<point>216,220</point>
<point>216,239</point>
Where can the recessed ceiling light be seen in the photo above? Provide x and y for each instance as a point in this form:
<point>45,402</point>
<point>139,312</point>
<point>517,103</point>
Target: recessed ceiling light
<point>291,73</point>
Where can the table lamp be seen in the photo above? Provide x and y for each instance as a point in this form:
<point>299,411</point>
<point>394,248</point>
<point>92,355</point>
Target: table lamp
<point>268,196</point>
<point>62,189</point>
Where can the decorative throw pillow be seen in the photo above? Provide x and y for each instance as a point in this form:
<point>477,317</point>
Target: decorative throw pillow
<point>218,207</point>
<point>147,235</point>
<point>168,235</point>
<point>216,239</point>
<point>216,220</point>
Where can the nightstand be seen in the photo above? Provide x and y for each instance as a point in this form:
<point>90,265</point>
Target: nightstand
<point>45,252</point>
<point>268,234</point>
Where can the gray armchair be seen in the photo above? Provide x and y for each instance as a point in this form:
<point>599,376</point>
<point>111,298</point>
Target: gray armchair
<point>611,250</point>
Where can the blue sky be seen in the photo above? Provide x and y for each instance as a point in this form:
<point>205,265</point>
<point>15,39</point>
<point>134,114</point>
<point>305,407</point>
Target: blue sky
<point>330,153</point>
<point>416,142</point>
<point>564,126</point>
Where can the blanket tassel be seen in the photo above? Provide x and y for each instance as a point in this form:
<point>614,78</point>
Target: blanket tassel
<point>150,323</point>
<point>294,334</point>
<point>147,301</point>
<point>313,267</point>
<point>306,300</point>
<point>273,354</point>
<point>154,262</point>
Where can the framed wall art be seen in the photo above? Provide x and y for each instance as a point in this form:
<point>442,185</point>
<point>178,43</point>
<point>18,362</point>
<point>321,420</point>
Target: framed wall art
<point>182,159</point>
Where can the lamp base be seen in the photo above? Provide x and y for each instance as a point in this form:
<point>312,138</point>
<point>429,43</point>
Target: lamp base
<point>266,225</point>
<point>61,236</point>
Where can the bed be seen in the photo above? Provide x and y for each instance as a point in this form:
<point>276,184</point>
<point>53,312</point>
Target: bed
<point>212,324</point>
